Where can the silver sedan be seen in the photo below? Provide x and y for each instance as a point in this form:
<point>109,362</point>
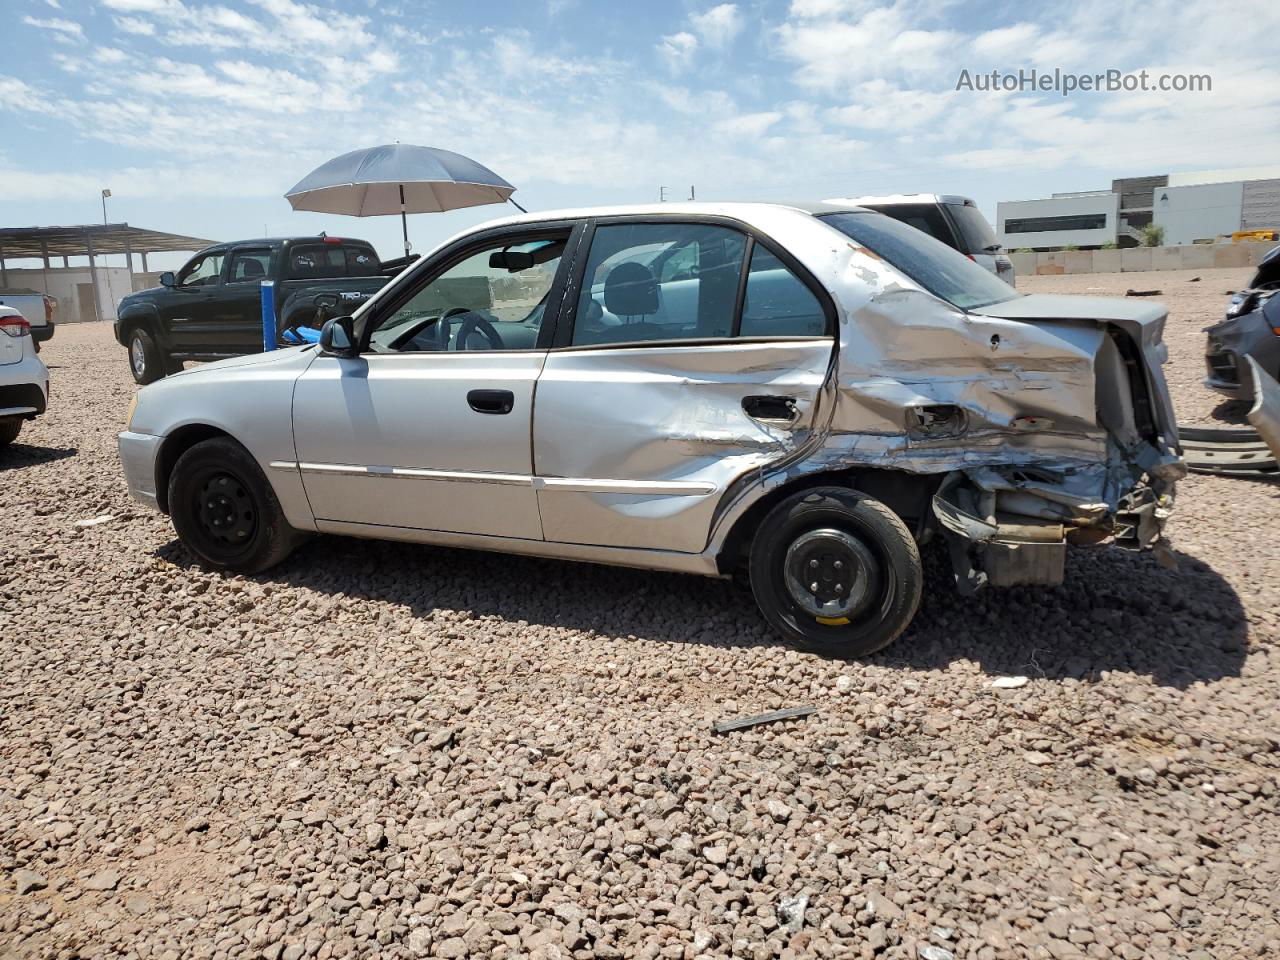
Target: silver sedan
<point>804,395</point>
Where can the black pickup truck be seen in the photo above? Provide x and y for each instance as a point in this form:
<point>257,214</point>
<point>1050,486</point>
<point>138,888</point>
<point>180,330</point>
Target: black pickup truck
<point>212,307</point>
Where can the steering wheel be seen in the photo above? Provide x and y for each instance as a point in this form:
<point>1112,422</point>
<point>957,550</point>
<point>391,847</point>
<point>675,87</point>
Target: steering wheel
<point>474,323</point>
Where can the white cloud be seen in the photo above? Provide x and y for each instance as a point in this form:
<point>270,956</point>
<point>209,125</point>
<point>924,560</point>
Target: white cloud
<point>1006,43</point>
<point>719,26</point>
<point>748,125</point>
<point>135,25</point>
<point>881,43</point>
<point>678,49</point>
<point>66,28</point>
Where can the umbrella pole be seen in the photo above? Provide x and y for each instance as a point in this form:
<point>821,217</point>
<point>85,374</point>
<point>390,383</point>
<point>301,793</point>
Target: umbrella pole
<point>404,222</point>
<point>516,205</point>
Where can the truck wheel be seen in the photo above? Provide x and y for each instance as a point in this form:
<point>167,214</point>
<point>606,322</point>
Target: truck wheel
<point>836,572</point>
<point>145,361</point>
<point>224,510</point>
<point>9,430</point>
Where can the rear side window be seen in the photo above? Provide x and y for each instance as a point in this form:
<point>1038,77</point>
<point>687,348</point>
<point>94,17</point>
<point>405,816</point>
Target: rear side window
<point>625,298</point>
<point>942,271</point>
<point>250,266</point>
<point>975,232</point>
<point>313,261</point>
<point>684,281</point>
<point>777,303</point>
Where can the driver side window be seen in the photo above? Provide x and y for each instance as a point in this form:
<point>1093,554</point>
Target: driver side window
<point>492,299</point>
<point>202,271</point>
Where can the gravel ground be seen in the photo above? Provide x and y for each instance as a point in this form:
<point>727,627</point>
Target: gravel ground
<point>386,751</point>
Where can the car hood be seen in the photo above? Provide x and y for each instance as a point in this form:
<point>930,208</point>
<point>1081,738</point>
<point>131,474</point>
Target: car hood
<point>281,356</point>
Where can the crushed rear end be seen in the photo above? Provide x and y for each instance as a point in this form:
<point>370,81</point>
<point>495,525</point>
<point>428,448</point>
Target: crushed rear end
<point>1046,418</point>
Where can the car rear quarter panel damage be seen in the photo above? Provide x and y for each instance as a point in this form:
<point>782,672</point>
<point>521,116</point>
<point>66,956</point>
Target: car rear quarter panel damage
<point>1053,415</point>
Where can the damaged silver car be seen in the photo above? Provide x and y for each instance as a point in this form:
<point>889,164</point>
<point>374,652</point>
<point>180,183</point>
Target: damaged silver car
<point>804,394</point>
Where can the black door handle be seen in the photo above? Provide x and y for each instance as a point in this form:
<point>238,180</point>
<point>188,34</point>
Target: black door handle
<point>491,401</point>
<point>770,408</point>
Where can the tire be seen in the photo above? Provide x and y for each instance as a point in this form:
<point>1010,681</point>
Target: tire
<point>146,363</point>
<point>825,533</point>
<point>224,510</point>
<point>9,430</point>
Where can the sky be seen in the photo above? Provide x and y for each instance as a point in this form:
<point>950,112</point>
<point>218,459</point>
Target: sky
<point>199,116</point>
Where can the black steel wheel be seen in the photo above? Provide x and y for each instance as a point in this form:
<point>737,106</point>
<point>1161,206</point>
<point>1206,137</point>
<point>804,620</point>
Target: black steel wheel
<point>836,571</point>
<point>225,511</point>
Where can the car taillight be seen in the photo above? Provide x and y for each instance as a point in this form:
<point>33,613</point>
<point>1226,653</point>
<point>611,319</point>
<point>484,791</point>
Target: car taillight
<point>332,239</point>
<point>15,326</point>
<point>48,310</point>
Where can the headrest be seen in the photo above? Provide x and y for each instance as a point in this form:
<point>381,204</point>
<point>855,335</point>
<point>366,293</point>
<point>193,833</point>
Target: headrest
<point>630,291</point>
<point>252,268</point>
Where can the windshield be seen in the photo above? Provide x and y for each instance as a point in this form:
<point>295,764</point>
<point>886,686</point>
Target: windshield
<point>931,263</point>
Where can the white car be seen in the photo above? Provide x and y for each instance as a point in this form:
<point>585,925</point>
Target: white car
<point>24,379</point>
<point>800,393</point>
<point>956,221</point>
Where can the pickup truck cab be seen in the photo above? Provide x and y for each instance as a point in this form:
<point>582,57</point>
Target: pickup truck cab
<point>211,308</point>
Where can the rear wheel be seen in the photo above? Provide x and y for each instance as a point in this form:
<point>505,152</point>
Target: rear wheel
<point>145,360</point>
<point>225,511</point>
<point>10,427</point>
<point>836,571</point>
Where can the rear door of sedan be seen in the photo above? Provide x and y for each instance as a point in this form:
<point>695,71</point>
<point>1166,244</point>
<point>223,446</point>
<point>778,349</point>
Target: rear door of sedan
<point>665,388</point>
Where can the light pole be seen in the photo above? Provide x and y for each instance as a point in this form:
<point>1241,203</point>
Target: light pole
<point>105,193</point>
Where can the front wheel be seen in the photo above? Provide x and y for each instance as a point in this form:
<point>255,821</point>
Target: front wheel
<point>225,511</point>
<point>836,571</point>
<point>145,360</point>
<point>9,430</point>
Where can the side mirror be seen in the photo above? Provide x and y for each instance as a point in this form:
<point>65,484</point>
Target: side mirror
<point>167,279</point>
<point>337,338</point>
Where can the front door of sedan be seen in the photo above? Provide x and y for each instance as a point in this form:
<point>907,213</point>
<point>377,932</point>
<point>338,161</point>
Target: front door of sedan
<point>429,428</point>
<point>188,307</point>
<point>668,387</point>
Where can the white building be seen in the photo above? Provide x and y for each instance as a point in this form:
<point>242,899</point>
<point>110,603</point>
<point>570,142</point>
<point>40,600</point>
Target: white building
<point>1205,211</point>
<point>1087,219</point>
<point>1196,207</point>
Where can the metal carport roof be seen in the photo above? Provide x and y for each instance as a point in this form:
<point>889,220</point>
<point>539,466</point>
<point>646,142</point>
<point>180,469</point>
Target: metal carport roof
<point>79,240</point>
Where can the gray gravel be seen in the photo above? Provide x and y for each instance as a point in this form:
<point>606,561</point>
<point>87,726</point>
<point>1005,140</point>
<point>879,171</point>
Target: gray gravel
<point>387,751</point>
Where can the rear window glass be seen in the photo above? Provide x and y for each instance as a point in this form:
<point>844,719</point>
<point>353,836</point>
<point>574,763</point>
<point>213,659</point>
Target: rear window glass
<point>315,260</point>
<point>938,268</point>
<point>975,232</point>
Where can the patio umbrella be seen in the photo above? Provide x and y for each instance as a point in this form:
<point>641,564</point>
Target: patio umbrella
<point>398,178</point>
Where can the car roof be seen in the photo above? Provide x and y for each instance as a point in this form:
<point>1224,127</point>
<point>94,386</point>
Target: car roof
<point>896,198</point>
<point>738,210</point>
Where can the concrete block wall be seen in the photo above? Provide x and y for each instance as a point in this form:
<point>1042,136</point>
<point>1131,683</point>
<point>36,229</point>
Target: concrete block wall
<point>1190,256</point>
